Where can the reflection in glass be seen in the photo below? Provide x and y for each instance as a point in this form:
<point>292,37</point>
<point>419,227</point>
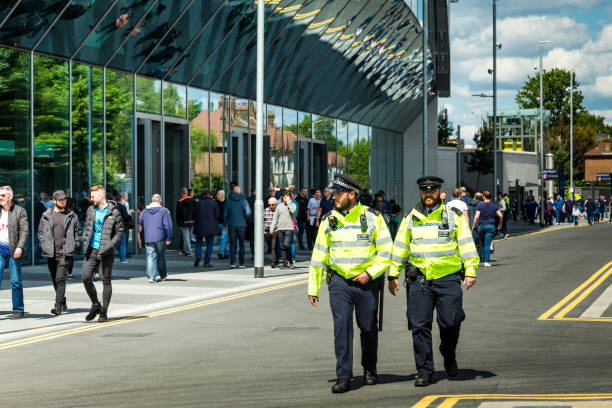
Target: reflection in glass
<point>304,128</point>
<point>174,100</point>
<point>342,153</point>
<point>119,118</point>
<point>213,117</point>
<point>15,128</point>
<point>352,149</point>
<point>199,128</point>
<point>290,130</point>
<point>275,131</point>
<point>148,95</point>
<point>363,152</point>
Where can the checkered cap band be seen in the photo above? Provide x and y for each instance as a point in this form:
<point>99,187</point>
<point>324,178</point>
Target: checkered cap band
<point>340,184</point>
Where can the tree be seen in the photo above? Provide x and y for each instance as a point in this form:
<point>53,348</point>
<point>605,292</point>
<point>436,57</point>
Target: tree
<point>585,138</point>
<point>595,121</point>
<point>446,128</point>
<point>481,160</point>
<point>556,96</point>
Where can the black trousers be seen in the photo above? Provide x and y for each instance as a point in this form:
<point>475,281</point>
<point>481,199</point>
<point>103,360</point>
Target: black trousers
<point>303,230</point>
<point>58,266</point>
<point>312,235</point>
<point>284,237</point>
<point>91,263</point>
<point>445,295</point>
<point>344,296</point>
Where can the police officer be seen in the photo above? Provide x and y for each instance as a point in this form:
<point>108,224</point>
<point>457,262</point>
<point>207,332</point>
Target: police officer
<point>438,243</point>
<point>354,246</point>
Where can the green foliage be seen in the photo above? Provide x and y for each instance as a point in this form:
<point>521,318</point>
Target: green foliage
<point>585,138</point>
<point>324,129</point>
<point>200,141</point>
<point>446,128</point>
<point>303,128</point>
<point>597,122</point>
<point>556,96</point>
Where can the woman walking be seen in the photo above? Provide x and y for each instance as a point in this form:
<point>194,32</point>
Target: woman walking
<point>484,222</point>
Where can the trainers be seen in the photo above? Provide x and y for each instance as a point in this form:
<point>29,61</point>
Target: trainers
<point>242,266</point>
<point>103,317</point>
<point>123,262</point>
<point>506,236</point>
<point>58,309</point>
<point>232,266</point>
<point>151,280</point>
<point>487,264</point>
<point>17,315</point>
<point>93,312</point>
<point>196,262</point>
<point>292,265</point>
<point>163,279</point>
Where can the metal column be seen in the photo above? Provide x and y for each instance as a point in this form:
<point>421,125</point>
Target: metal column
<point>425,40</point>
<point>458,155</point>
<point>495,99</point>
<point>572,134</point>
<point>259,206</point>
<point>541,141</point>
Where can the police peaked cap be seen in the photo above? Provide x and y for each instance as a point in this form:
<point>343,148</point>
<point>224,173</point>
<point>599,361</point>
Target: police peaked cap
<point>429,183</point>
<point>344,183</point>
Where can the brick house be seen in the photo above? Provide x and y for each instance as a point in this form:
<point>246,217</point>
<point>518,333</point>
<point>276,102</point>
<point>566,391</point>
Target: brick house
<point>598,160</point>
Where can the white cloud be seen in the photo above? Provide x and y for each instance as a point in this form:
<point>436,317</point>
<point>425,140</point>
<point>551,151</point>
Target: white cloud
<point>601,87</point>
<point>606,113</point>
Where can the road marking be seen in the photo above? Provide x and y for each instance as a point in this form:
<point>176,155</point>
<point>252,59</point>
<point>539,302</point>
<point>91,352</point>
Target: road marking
<point>543,231</point>
<point>449,401</point>
<point>96,326</point>
<point>600,305</point>
<point>586,288</point>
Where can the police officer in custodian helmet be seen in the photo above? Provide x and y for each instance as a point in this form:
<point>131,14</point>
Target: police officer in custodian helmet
<point>436,241</point>
<point>354,247</point>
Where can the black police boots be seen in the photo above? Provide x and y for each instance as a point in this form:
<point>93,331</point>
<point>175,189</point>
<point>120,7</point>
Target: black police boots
<point>423,380</point>
<point>450,365</point>
<point>342,385</point>
<point>369,378</point>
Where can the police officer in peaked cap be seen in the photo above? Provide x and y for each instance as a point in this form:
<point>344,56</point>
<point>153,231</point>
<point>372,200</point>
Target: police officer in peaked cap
<point>435,242</point>
<point>353,247</point>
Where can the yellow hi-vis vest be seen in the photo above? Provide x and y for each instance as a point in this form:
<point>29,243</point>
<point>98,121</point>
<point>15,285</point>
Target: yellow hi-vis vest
<point>348,249</point>
<point>437,244</point>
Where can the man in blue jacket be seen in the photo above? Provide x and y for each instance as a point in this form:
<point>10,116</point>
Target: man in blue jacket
<point>235,214</point>
<point>157,225</point>
<point>205,227</point>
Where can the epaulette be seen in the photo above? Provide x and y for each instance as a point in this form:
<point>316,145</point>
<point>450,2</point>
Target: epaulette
<point>373,211</point>
<point>326,215</point>
<point>457,211</point>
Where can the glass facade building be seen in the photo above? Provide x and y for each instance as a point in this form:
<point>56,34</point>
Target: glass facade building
<point>518,129</point>
<point>148,96</point>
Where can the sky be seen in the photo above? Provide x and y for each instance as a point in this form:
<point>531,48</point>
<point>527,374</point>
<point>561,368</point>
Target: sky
<point>581,35</point>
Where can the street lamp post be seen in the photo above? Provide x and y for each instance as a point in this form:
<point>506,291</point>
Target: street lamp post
<point>572,134</point>
<point>259,139</point>
<point>542,201</point>
<point>495,99</point>
<point>425,40</point>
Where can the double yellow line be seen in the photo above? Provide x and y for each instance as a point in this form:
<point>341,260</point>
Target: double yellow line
<point>449,401</point>
<point>96,326</point>
<point>562,308</point>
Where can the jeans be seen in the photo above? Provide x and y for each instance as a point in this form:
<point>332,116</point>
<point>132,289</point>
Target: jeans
<point>303,230</point>
<point>58,267</point>
<point>590,216</point>
<point>486,234</point>
<point>292,246</point>
<point>186,232</point>
<point>156,259</point>
<point>284,237</point>
<point>558,216</point>
<point>123,247</point>
<point>14,266</point>
<point>93,260</point>
<point>271,242</point>
<point>210,240</point>
<point>237,233</point>
<point>223,241</point>
<point>575,220</point>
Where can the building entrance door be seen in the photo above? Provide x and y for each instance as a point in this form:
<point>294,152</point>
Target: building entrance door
<point>242,163</point>
<point>148,159</point>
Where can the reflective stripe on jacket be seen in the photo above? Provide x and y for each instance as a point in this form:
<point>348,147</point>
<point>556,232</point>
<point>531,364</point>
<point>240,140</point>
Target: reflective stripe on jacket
<point>349,250</point>
<point>433,247</point>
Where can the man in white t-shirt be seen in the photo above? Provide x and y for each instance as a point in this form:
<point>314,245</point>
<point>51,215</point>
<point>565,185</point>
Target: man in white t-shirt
<point>311,216</point>
<point>458,203</point>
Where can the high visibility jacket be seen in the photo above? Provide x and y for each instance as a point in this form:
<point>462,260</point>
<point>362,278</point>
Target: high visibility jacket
<point>350,248</point>
<point>438,244</point>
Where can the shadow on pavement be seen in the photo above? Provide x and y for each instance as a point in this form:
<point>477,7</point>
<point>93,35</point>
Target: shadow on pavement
<point>466,374</point>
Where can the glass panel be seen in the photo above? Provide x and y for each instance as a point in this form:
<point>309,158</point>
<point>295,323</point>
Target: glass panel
<point>148,95</point>
<point>199,125</point>
<point>342,135</point>
<point>87,134</point>
<point>156,25</point>
<point>218,122</point>
<point>189,25</point>
<point>368,183</point>
<point>174,100</point>
<point>120,23</point>
<point>51,139</point>
<point>363,156</point>
<point>242,53</point>
<point>74,25</point>
<point>239,115</point>
<point>275,131</point>
<point>119,128</point>
<point>29,22</point>
<point>15,128</point>
<point>304,128</point>
<point>291,23</point>
<point>353,152</point>
<point>289,142</point>
<point>209,40</point>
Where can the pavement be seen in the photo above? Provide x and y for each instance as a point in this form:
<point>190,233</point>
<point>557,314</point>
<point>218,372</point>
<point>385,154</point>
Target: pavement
<point>537,333</point>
